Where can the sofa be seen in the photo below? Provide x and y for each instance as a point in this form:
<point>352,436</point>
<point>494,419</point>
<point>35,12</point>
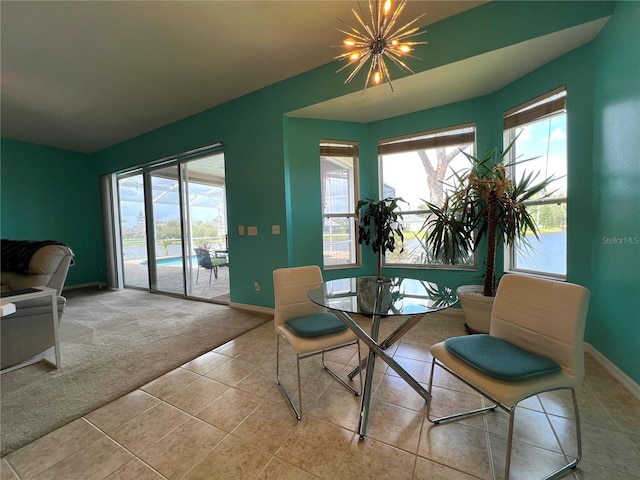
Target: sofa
<point>30,263</point>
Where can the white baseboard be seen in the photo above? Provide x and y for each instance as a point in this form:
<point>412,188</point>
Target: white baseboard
<point>251,308</point>
<point>610,367</point>
<point>84,285</point>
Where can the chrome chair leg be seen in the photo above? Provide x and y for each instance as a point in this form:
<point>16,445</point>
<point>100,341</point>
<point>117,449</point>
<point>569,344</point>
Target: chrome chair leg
<point>511,411</point>
<point>297,410</point>
<point>454,416</point>
<point>281,385</point>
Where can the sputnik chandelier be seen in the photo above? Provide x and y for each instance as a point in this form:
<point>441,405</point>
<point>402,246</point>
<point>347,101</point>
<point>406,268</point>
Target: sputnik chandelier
<point>377,40</point>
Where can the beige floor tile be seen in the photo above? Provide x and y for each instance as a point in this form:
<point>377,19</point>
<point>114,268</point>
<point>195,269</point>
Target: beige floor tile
<point>232,372</point>
<point>526,461</point>
<point>109,417</point>
<point>635,439</point>
<point>608,448</point>
<point>457,446</point>
<point>267,427</point>
<point>312,389</point>
<point>52,448</point>
<point>396,426</point>
<point>146,429</point>
<point>229,409</point>
<point>316,446</point>
<point>206,362</point>
<point>181,449</point>
<point>369,458</point>
<point>135,469</point>
<point>339,406</point>
<point>428,470</point>
<point>230,459</point>
<point>281,470</point>
<point>169,383</point>
<point>6,472</point>
<point>448,402</point>
<point>95,461</point>
<point>530,427</point>
<point>262,382</point>
<point>413,351</point>
<point>559,403</point>
<point>627,417</point>
<point>396,391</point>
<point>587,470</point>
<point>196,395</point>
<point>416,368</point>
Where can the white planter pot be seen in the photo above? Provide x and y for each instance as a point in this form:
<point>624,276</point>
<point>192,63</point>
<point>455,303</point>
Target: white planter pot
<point>476,308</point>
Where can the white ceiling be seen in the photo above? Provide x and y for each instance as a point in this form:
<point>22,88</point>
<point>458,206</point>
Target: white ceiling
<point>84,75</point>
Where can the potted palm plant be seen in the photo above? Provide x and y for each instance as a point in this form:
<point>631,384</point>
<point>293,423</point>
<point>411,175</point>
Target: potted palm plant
<point>483,201</point>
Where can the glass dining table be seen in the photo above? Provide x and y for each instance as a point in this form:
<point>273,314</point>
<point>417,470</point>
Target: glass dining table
<point>381,298</point>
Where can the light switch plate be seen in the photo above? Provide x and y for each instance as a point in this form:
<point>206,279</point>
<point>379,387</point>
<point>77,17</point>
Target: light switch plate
<point>241,231</point>
<point>252,230</point>
<point>275,229</point>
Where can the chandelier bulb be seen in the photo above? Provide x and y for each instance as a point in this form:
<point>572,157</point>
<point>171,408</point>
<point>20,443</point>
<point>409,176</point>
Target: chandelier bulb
<point>387,7</point>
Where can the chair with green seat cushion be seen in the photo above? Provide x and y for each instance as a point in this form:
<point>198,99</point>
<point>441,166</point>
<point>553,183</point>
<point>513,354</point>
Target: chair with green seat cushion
<point>535,345</point>
<point>307,327</point>
<point>209,262</point>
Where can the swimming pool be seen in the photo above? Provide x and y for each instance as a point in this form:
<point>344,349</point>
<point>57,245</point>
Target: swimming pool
<point>171,261</point>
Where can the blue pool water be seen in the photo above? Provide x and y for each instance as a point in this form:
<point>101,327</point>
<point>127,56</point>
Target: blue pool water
<point>171,261</point>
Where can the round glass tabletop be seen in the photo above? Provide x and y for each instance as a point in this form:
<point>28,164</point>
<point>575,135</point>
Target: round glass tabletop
<point>389,296</point>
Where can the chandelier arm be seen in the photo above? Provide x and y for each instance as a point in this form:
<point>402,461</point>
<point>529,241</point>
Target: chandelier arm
<point>357,69</point>
<point>404,27</point>
<point>361,54</point>
<point>400,63</point>
<point>366,82</point>
<point>385,73</point>
<point>399,56</point>
<point>356,34</point>
<point>394,16</point>
<point>364,25</point>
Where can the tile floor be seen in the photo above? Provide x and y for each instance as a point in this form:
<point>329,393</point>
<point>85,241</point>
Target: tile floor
<point>222,416</point>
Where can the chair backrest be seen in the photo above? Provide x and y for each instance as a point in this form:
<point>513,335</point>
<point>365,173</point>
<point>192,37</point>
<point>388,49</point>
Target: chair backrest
<point>543,316</point>
<point>204,257</point>
<point>290,286</point>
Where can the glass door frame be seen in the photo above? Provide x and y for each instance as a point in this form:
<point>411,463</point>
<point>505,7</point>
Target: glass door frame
<point>113,229</point>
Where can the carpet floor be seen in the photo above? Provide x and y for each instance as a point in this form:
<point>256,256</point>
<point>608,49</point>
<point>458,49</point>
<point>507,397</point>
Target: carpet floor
<point>112,342</point>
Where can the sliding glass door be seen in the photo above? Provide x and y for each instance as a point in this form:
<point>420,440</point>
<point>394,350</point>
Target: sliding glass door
<point>173,228</point>
<point>166,259</point>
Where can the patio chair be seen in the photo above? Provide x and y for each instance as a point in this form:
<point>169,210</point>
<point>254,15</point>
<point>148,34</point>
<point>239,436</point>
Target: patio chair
<point>209,262</point>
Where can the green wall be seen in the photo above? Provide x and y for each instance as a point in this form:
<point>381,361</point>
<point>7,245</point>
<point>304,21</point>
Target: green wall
<point>273,170</point>
<point>614,239</point>
<point>51,194</point>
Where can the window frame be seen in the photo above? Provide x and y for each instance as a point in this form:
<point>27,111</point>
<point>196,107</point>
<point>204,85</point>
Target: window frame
<point>546,106</point>
<point>342,149</point>
<point>425,140</point>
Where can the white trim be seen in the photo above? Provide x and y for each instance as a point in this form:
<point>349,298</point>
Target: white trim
<point>610,367</point>
<point>84,285</point>
<point>251,308</point>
